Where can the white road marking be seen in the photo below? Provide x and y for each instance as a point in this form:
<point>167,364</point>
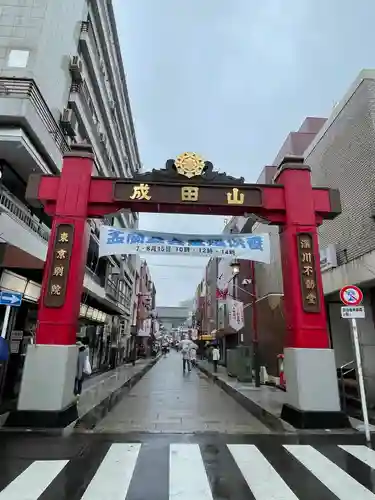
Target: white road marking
<point>264,481</point>
<point>364,454</point>
<point>335,479</point>
<point>33,481</point>
<point>187,474</point>
<point>112,479</point>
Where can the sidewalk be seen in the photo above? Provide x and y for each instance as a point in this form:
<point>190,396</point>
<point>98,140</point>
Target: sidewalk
<point>264,402</point>
<point>102,392</point>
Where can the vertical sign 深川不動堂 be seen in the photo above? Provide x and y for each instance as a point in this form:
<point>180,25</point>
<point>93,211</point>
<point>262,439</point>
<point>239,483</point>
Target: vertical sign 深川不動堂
<point>307,270</point>
<point>59,270</point>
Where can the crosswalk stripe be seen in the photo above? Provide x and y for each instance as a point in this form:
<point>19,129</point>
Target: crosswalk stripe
<point>364,454</point>
<point>33,481</point>
<point>262,479</point>
<point>187,474</point>
<point>188,477</point>
<point>335,479</point>
<point>112,479</point>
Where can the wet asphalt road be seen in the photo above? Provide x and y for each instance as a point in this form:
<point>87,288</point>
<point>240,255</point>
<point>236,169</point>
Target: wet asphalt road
<point>212,451</point>
<point>186,467</point>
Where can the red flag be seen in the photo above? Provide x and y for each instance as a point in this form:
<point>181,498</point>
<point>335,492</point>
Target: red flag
<point>221,294</point>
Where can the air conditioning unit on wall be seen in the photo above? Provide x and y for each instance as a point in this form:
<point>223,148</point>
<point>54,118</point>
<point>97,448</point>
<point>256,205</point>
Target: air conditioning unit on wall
<point>68,122</point>
<point>102,138</point>
<point>75,68</point>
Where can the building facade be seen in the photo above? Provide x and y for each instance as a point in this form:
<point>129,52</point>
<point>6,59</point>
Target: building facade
<point>340,151</point>
<point>62,82</point>
<point>144,317</point>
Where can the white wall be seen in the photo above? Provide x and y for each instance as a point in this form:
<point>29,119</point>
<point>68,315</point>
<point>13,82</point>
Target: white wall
<point>342,343</point>
<point>341,336</point>
<point>50,31</point>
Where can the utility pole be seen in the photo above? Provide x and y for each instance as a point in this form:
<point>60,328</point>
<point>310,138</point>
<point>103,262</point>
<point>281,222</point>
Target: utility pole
<point>255,326</point>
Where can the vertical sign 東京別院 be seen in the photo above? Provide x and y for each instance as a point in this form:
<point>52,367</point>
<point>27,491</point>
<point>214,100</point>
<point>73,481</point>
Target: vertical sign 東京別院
<point>58,272</point>
<point>307,270</point>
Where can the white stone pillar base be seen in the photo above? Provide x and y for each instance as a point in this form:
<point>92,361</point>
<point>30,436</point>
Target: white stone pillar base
<point>312,397</point>
<point>46,396</point>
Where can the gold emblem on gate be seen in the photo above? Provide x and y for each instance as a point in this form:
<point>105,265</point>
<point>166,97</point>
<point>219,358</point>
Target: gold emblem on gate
<point>189,164</point>
<point>189,193</point>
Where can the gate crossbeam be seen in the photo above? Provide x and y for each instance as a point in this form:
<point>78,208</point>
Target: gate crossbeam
<point>109,195</point>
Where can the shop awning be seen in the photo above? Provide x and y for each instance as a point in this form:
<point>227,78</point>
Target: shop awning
<point>13,257</point>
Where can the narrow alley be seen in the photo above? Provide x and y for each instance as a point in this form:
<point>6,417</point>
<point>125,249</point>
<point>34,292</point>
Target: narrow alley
<point>168,401</point>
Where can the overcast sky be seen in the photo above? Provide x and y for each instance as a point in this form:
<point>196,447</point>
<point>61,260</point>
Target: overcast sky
<point>229,79</point>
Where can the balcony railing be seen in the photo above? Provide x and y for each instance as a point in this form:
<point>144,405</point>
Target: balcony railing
<point>15,207</point>
<point>26,88</point>
<point>119,149</point>
<point>113,291</point>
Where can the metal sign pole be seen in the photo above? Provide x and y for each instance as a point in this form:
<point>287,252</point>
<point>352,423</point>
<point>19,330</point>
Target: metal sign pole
<point>6,321</point>
<point>360,379</point>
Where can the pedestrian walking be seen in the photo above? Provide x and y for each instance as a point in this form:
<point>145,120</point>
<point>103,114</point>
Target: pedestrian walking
<point>215,357</point>
<point>185,346</point>
<point>193,356</point>
<point>83,366</point>
<point>164,348</point>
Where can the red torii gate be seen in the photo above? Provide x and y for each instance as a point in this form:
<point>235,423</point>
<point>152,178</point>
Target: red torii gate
<point>187,185</point>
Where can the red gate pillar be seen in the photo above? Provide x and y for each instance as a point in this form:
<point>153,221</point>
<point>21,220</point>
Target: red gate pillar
<point>310,369</point>
<point>46,396</point>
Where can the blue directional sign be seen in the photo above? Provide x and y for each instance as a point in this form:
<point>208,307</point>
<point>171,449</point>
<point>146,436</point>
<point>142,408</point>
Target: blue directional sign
<point>13,299</point>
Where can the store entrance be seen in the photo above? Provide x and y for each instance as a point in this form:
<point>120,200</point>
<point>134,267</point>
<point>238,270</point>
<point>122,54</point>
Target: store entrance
<point>20,334</point>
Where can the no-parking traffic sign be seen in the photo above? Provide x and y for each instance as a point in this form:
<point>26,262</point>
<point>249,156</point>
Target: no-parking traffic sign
<point>351,295</point>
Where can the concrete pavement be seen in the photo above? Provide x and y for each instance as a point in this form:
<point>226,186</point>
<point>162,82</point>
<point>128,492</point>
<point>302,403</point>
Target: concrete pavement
<point>166,400</point>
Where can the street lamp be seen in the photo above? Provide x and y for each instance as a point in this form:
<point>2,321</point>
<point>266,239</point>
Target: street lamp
<point>235,265</point>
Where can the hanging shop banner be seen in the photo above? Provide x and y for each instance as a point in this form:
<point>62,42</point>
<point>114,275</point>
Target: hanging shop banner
<point>224,278</point>
<point>115,241</point>
<point>145,328</point>
<point>235,314</point>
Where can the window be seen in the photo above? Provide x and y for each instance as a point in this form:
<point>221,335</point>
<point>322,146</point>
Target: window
<point>18,58</point>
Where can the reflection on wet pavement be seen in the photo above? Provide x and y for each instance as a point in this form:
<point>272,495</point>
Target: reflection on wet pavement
<point>166,400</point>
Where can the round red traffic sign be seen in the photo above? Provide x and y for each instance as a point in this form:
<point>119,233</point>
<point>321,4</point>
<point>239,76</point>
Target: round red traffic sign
<point>351,295</point>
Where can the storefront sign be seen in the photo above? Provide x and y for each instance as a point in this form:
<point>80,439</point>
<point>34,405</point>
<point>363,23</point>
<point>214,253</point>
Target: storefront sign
<point>307,270</point>
<point>235,314</point>
<point>59,270</point>
<point>207,337</point>
<point>115,241</point>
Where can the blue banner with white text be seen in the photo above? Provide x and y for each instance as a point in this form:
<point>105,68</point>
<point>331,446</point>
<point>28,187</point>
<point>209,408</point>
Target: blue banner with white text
<point>114,241</point>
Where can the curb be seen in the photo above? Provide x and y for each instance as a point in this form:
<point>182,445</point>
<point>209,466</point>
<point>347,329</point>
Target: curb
<point>267,418</point>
